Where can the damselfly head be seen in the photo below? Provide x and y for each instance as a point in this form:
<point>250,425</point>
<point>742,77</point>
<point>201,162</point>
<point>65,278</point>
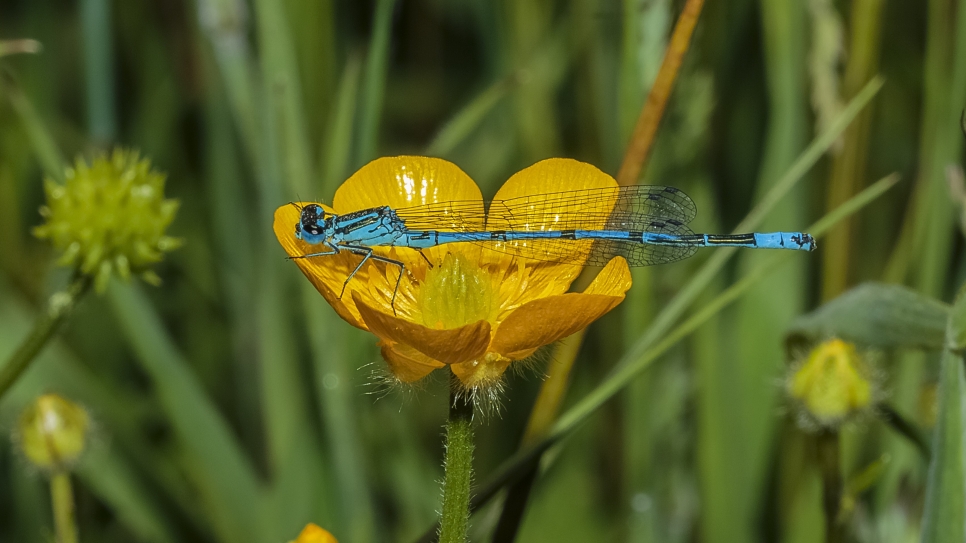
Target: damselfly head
<point>311,223</point>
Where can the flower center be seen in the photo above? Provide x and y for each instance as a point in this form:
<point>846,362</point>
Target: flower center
<point>456,293</point>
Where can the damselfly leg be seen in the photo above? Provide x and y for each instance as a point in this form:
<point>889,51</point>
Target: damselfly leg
<point>367,255</point>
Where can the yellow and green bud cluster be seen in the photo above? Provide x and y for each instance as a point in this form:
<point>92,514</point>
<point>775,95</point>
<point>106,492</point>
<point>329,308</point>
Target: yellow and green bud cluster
<point>110,216</point>
<point>52,432</point>
<point>831,385</point>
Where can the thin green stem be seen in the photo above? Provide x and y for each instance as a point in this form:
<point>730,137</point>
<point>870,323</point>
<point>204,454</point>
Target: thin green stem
<point>58,308</point>
<point>904,427</point>
<point>831,468</point>
<point>62,500</point>
<point>458,465</point>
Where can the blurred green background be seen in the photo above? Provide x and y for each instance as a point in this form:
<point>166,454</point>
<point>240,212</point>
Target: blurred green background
<point>232,405</point>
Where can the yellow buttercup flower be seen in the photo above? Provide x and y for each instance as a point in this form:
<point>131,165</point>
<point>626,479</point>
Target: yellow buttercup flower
<point>458,304</point>
<point>312,533</point>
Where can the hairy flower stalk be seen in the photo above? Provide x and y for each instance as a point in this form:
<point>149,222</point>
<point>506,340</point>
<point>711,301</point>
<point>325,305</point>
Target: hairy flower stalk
<point>458,464</point>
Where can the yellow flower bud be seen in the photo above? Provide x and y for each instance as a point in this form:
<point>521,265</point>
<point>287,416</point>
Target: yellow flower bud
<point>832,384</point>
<point>52,432</point>
<point>109,217</point>
<point>312,533</point>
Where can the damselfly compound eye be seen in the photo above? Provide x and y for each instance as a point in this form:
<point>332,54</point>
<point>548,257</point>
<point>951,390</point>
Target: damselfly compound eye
<point>311,220</point>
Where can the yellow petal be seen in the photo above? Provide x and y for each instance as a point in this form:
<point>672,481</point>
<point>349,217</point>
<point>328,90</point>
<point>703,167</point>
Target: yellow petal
<point>546,320</point>
<point>485,370</point>
<point>314,534</point>
<point>404,181</point>
<point>613,280</point>
<point>554,175</point>
<point>447,346</point>
<point>327,273</point>
<point>407,364</point>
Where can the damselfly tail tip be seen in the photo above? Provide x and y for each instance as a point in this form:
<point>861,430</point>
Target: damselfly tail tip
<point>805,241</point>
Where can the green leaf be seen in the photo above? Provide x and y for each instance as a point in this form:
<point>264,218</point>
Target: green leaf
<point>956,327</point>
<point>944,517</point>
<point>946,483</point>
<point>876,315</point>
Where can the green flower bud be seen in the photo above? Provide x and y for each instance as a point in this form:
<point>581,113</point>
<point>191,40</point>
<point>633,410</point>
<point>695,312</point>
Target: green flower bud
<point>831,385</point>
<point>109,217</point>
<point>52,432</point>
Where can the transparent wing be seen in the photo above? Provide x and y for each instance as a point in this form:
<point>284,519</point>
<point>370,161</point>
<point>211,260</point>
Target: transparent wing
<point>599,252</point>
<point>613,208</point>
<point>641,208</point>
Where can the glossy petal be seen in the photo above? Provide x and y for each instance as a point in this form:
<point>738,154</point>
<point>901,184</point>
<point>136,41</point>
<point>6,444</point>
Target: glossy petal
<point>404,181</point>
<point>327,273</point>
<point>447,346</point>
<point>549,319</point>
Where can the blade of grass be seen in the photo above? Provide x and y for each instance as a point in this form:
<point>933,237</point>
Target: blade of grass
<point>233,239</point>
<point>374,85</point>
<point>314,36</point>
<point>224,23</point>
<point>222,474</point>
<point>337,153</point>
<point>467,119</point>
<point>529,26</point>
<point>849,165</point>
<point>95,16</point>
<point>283,92</point>
<point>944,517</point>
<point>43,144</point>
